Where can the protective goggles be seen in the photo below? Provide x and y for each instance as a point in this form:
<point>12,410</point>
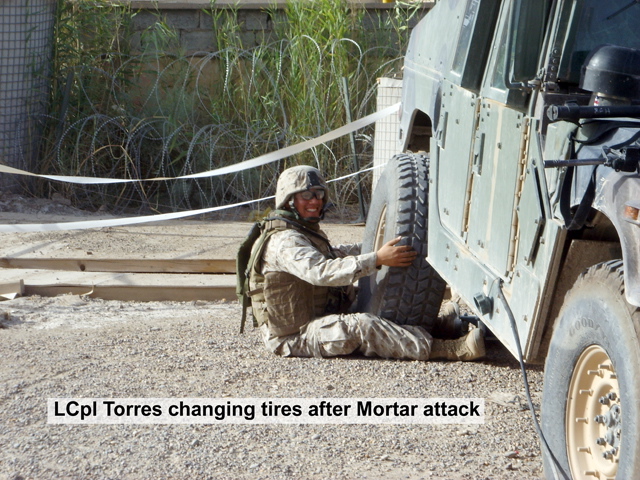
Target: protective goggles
<point>309,194</point>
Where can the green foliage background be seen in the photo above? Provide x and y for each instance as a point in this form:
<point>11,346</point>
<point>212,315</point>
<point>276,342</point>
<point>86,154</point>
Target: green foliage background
<point>159,112</point>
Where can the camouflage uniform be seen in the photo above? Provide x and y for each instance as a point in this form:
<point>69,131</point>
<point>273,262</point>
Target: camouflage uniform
<point>302,288</point>
<point>293,252</point>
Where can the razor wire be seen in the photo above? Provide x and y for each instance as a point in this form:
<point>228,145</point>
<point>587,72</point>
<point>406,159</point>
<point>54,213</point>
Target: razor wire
<point>170,116</point>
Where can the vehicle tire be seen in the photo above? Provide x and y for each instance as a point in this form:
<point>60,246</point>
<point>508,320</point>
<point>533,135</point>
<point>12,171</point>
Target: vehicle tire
<point>592,380</point>
<point>404,295</point>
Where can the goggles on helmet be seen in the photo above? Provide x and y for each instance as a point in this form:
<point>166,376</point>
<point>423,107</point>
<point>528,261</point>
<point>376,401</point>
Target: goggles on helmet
<point>309,194</point>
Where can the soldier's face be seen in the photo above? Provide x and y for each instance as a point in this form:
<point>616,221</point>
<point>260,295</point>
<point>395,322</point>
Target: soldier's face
<point>311,208</point>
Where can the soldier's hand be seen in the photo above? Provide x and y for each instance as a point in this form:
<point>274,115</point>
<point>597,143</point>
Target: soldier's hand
<point>392,256</point>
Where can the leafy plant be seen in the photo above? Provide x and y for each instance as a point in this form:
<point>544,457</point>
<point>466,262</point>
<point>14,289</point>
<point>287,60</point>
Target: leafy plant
<point>160,112</point>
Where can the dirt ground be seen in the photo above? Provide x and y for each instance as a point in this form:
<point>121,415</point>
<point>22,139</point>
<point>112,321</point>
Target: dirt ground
<point>72,346</point>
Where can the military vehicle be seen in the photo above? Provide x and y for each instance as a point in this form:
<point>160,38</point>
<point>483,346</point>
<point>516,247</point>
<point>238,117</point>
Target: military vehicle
<point>519,185</point>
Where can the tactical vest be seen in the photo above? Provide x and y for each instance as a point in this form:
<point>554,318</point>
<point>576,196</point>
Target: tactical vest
<point>283,301</point>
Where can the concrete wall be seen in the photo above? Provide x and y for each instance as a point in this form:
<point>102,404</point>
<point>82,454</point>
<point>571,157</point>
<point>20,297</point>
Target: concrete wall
<point>194,22</point>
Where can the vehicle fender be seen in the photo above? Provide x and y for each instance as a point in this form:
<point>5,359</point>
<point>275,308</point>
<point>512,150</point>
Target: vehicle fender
<point>614,192</point>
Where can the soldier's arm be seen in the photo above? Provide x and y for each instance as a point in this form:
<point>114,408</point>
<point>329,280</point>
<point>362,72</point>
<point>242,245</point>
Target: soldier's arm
<point>344,250</point>
<point>293,253</point>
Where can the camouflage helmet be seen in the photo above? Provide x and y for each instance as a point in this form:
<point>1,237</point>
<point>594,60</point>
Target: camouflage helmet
<point>298,179</point>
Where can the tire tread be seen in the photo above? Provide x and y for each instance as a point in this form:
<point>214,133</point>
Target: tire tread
<point>412,295</point>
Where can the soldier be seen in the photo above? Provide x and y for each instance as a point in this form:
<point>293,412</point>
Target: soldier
<point>301,288</point>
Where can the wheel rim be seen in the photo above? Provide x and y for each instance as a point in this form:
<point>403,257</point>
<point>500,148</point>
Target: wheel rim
<point>380,230</point>
<point>594,416</point>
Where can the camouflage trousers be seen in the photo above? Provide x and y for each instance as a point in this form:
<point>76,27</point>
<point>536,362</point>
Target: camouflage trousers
<point>343,334</point>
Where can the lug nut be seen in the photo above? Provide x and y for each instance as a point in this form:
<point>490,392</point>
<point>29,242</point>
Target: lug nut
<point>604,400</point>
<point>612,395</point>
<point>601,441</point>
<point>610,453</point>
<point>599,419</point>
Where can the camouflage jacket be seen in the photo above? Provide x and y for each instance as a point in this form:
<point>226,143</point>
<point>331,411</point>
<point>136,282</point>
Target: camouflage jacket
<point>300,278</point>
<point>292,252</point>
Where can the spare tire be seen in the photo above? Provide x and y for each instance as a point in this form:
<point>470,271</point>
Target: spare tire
<point>399,207</point>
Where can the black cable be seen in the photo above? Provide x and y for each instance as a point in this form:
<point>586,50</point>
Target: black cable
<point>514,328</point>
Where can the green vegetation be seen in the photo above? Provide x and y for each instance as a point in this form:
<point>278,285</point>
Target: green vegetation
<point>159,112</point>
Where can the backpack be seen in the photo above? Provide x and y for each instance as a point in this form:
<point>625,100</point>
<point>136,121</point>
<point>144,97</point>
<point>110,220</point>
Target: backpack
<point>245,262</point>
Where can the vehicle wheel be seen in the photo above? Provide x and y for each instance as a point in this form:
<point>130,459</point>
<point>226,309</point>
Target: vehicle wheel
<point>592,380</point>
<point>411,295</point>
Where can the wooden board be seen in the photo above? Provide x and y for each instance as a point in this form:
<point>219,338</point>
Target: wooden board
<point>11,289</point>
<point>122,265</point>
<point>140,293</point>
<point>142,287</point>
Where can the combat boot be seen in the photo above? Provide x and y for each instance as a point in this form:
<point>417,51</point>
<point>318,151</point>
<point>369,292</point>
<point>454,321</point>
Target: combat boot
<point>448,324</point>
<point>467,348</point>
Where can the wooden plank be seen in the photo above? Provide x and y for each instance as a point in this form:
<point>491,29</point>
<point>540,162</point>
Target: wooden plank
<point>142,287</point>
<point>12,289</point>
<point>138,293</point>
<point>137,265</point>
<point>48,277</point>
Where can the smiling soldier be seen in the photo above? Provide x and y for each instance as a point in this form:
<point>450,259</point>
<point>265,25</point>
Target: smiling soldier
<point>301,287</point>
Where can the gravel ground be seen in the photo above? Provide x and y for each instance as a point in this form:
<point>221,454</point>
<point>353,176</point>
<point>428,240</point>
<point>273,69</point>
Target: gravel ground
<point>71,346</point>
<point>97,348</point>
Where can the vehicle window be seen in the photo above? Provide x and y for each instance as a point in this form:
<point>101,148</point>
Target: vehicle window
<point>465,35</point>
<point>494,84</point>
<point>614,22</point>
<point>472,48</point>
<point>498,79</point>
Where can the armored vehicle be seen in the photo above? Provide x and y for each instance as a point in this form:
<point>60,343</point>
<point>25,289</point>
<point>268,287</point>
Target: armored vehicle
<point>519,185</point>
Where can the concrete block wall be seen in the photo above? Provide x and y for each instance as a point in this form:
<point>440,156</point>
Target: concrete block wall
<point>194,23</point>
